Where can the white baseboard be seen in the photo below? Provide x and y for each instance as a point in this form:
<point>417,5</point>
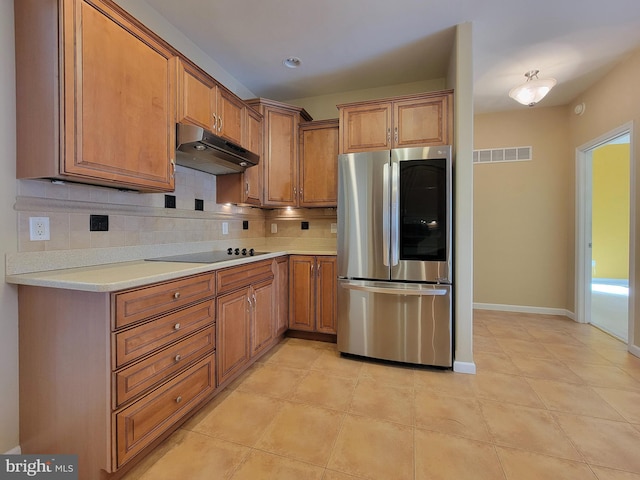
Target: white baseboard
<point>464,367</point>
<point>525,309</point>
<point>634,350</point>
<point>14,451</point>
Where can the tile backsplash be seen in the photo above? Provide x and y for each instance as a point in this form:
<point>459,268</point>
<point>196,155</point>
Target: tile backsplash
<point>141,219</point>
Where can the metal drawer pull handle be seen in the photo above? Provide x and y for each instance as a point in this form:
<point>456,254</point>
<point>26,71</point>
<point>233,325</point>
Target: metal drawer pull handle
<point>176,326</point>
<point>396,291</point>
<point>178,358</point>
<point>176,295</point>
<point>178,400</point>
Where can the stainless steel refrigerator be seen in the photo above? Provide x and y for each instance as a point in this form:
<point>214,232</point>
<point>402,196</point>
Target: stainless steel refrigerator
<point>394,255</point>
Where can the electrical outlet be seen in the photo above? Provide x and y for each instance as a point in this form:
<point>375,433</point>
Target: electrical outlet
<point>274,228</point>
<point>334,228</point>
<point>225,228</point>
<point>39,228</point>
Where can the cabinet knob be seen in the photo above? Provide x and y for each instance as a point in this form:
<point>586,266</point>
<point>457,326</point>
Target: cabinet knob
<point>388,135</point>
<point>176,295</point>
<point>178,357</point>
<point>176,326</point>
<point>178,399</point>
<point>396,135</point>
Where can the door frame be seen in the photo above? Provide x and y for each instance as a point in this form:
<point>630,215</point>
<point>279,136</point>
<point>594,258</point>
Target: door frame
<point>583,225</point>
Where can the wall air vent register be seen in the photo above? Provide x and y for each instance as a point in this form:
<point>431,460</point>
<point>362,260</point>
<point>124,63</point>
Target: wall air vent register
<point>501,155</point>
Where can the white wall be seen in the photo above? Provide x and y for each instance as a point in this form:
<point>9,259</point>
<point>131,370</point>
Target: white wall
<point>8,234</point>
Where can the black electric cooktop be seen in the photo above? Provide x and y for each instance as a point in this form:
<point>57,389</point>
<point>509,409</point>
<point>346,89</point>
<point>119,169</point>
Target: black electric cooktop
<point>209,257</point>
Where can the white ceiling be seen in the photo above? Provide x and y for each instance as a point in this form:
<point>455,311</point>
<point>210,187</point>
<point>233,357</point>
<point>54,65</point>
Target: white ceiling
<point>355,44</point>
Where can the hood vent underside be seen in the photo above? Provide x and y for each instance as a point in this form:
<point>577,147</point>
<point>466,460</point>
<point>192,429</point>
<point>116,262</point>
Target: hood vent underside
<point>202,150</point>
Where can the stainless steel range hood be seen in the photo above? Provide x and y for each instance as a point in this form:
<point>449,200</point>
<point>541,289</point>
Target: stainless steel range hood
<point>202,150</point>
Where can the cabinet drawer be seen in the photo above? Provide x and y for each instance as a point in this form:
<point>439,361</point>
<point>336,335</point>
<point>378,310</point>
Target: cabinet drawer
<point>143,421</point>
<point>135,305</point>
<point>235,277</point>
<point>135,342</point>
<point>142,376</point>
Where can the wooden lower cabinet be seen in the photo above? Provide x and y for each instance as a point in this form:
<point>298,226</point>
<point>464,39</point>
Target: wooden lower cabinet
<point>313,293</point>
<point>100,381</point>
<point>247,321</point>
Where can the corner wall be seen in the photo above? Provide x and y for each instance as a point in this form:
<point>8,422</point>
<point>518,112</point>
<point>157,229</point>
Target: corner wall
<point>8,234</point>
<point>612,102</point>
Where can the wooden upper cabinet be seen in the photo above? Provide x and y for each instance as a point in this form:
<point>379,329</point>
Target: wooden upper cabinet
<point>99,90</point>
<point>365,127</point>
<point>279,157</point>
<point>318,164</point>
<point>230,115</point>
<point>196,97</point>
<point>408,121</point>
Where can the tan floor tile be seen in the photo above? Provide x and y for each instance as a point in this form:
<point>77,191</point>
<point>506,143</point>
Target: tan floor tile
<point>527,429</point>
<point>610,474</point>
<point>294,355</point>
<point>374,449</point>
<point>486,345</point>
<point>333,475</point>
<point>383,401</point>
<point>481,330</point>
<point>445,457</point>
<point>626,402</point>
<point>447,382</point>
<point>524,348</point>
<point>505,388</point>
<point>332,363</point>
<point>453,415</point>
<point>576,354</point>
<point>262,465</point>
<point>272,380</point>
<point>303,432</point>
<point>195,456</point>
<point>546,335</point>
<point>241,418</point>
<point>326,391</point>
<point>504,330</point>
<point>547,369</point>
<point>605,376</point>
<point>495,362</point>
<point>571,398</point>
<point>522,465</point>
<point>388,374</point>
<point>603,442</point>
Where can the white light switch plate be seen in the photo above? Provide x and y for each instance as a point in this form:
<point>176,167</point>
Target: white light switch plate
<point>334,228</point>
<point>225,228</point>
<point>274,228</point>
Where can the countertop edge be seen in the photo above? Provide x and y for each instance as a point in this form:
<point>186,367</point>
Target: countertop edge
<point>117,276</point>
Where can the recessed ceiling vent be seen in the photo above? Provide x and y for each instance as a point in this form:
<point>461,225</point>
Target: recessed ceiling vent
<point>501,155</point>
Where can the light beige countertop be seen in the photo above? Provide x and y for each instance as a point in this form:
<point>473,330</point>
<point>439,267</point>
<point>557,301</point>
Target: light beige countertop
<point>112,277</point>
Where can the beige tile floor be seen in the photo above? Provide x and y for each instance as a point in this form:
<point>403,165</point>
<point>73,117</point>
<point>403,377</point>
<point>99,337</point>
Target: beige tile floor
<point>552,399</point>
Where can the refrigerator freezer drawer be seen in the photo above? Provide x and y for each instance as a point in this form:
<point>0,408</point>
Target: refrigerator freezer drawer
<point>401,322</point>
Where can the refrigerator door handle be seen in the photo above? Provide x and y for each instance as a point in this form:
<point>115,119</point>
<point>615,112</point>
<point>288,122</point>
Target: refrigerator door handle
<point>395,214</point>
<point>385,215</point>
<point>396,291</point>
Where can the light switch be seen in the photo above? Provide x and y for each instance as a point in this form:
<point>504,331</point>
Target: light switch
<point>225,228</point>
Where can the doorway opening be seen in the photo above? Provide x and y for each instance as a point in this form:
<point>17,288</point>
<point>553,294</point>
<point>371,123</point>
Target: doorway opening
<point>604,234</point>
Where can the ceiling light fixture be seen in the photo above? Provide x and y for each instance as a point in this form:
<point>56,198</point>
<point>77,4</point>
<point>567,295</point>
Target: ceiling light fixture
<point>533,90</point>
<point>292,62</point>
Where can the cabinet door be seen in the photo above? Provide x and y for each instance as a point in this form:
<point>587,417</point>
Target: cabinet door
<point>232,333</point>
<point>195,97</point>
<point>365,127</point>
<point>253,176</point>
<point>326,295</point>
<point>230,115</point>
<point>262,331</point>
<point>301,292</point>
<point>281,271</point>
<point>420,122</point>
<point>281,144</point>
<point>318,164</point>
<point>119,102</point>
